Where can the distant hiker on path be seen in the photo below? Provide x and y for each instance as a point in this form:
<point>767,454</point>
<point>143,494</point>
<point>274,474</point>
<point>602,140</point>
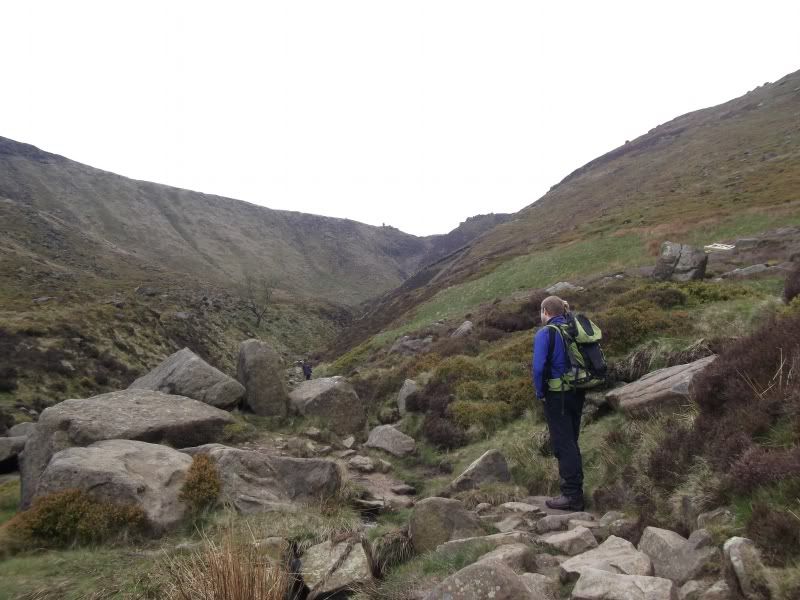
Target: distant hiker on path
<point>563,404</point>
<point>307,369</point>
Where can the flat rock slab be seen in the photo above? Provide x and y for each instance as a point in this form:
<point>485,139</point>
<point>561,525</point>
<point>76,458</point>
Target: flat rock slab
<point>520,558</point>
<point>439,520</point>
<point>664,387</point>
<point>186,374</point>
<point>493,541</point>
<point>389,439</point>
<point>615,555</point>
<point>330,567</point>
<point>131,414</point>
<point>333,401</point>
<point>540,586</point>
<point>602,585</point>
<point>254,482</point>
<point>489,580</point>
<point>149,476</point>
<point>572,542</point>
<point>491,467</point>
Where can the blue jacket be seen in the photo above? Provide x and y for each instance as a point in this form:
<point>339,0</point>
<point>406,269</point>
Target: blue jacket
<point>559,363</point>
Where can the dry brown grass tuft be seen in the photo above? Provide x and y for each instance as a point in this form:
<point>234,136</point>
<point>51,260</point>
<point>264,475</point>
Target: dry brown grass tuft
<point>202,486</point>
<point>232,569</point>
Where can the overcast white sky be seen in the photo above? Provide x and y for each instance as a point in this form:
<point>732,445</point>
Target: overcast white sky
<point>413,113</point>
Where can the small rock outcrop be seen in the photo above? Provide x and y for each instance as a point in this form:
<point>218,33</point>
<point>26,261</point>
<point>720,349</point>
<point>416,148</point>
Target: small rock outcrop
<point>680,262</point>
<point>408,345</point>
<point>439,520</point>
<point>255,482</point>
<point>602,585</point>
<point>743,560</point>
<point>481,580</point>
<point>332,400</point>
<point>520,558</point>
<point>491,467</point>
<point>389,439</point>
<point>563,287</point>
<point>676,558</point>
<point>123,472</point>
<point>186,374</point>
<point>131,414</point>
<point>22,429</point>
<point>464,329</point>
<point>332,567</point>
<point>260,370</point>
<point>409,387</point>
<point>669,386</point>
<point>615,555</point>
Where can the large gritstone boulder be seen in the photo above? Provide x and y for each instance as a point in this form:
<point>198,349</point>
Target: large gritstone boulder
<point>128,415</point>
<point>439,520</point>
<point>389,439</point>
<point>481,580</point>
<point>615,555</point>
<point>664,387</point>
<point>742,559</point>
<point>260,370</point>
<point>186,374</point>
<point>680,262</point>
<point>255,482</point>
<point>149,476</point>
<point>333,401</point>
<point>332,567</point>
<point>602,585</point>
<point>676,558</point>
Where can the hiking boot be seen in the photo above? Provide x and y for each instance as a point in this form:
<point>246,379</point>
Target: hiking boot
<point>574,503</point>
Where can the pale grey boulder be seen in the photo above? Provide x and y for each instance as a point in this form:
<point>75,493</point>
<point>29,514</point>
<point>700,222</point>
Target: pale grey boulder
<point>594,584</point>
<point>680,262</point>
<point>615,555</point>
<point>743,560</point>
<point>676,558</point>
<point>483,580</point>
<point>409,387</point>
<point>22,429</point>
<point>520,558</point>
<point>254,482</point>
<point>333,401</point>
<point>540,586</point>
<point>261,371</point>
<point>571,542</point>
<point>131,414</point>
<point>391,440</point>
<point>464,329</point>
<point>561,522</point>
<point>494,540</point>
<point>408,345</point>
<point>490,467</point>
<point>666,387</point>
<point>10,449</point>
<point>149,476</point>
<point>435,521</point>
<point>332,567</point>
<point>186,374</point>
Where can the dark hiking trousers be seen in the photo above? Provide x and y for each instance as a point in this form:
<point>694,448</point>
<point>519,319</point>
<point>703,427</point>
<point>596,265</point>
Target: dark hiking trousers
<point>563,413</point>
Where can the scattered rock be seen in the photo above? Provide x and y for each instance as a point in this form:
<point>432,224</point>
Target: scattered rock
<point>333,567</point>
<point>10,449</point>
<point>129,414</point>
<point>560,522</point>
<point>743,559</point>
<point>518,557</point>
<point>491,467</point>
<point>680,262</point>
<point>603,585</point>
<point>464,329</point>
<point>540,586</point>
<point>22,429</point>
<point>404,490</point>
<point>572,542</point>
<point>260,370</point>
<point>598,531</point>
<point>348,442</point>
<point>332,400</point>
<point>439,520</point>
<point>675,558</point>
<point>563,287</point>
<point>123,472</point>
<point>745,272</point>
<point>720,517</point>
<point>363,464</point>
<point>186,374</point>
<point>615,555</point>
<point>668,386</point>
<point>255,482</point>
<point>719,591</point>
<point>693,590</point>
<point>409,387</point>
<point>495,540</point>
<point>389,439</point>
<point>408,345</point>
<point>481,580</point>
<point>519,507</point>
<point>383,466</point>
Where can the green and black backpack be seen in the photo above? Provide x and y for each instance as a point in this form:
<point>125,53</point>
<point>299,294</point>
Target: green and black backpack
<point>581,337</point>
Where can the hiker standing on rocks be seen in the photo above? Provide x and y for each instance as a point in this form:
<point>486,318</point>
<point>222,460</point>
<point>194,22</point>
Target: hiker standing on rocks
<point>563,404</point>
<point>306,369</point>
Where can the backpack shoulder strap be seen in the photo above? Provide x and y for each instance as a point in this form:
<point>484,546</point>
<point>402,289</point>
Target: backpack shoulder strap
<point>551,346</point>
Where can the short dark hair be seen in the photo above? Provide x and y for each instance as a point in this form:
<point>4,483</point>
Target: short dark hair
<point>554,306</point>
